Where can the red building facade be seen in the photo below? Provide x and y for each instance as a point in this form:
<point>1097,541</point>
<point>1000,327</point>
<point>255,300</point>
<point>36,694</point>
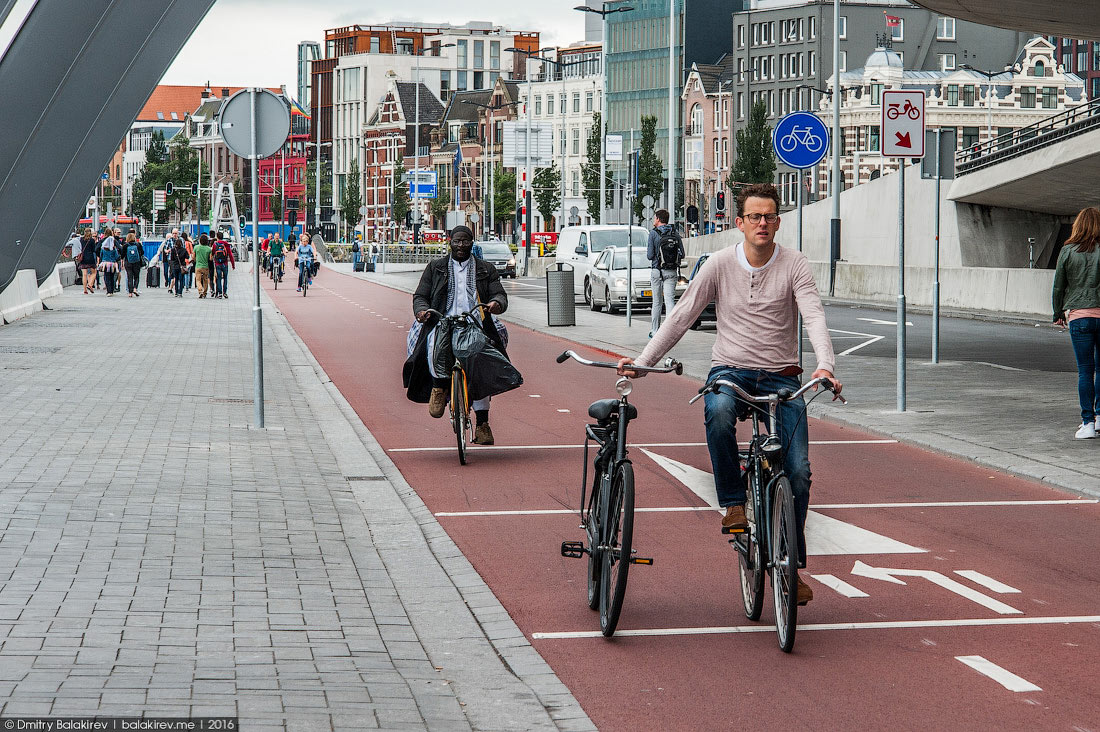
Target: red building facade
<point>283,175</point>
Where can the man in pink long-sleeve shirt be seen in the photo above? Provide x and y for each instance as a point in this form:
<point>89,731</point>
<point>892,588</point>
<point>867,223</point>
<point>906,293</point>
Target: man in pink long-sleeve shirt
<point>758,289</point>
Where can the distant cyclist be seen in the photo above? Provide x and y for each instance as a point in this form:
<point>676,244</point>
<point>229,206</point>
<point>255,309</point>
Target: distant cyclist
<point>306,257</point>
<point>275,251</point>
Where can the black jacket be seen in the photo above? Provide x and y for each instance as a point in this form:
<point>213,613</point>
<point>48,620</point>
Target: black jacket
<point>432,293</point>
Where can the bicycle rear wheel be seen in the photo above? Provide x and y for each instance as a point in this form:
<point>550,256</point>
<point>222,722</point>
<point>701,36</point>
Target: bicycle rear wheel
<point>750,558</point>
<point>618,534</point>
<point>784,562</point>
<point>459,412</point>
<point>593,531</point>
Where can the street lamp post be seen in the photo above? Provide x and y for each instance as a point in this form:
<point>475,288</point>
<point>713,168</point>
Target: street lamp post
<point>603,12</point>
<point>988,97</point>
<point>834,224</point>
<point>416,143</point>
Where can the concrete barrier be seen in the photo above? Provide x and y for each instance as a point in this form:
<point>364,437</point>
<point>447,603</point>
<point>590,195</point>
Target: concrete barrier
<point>67,272</point>
<point>20,298</point>
<point>51,286</point>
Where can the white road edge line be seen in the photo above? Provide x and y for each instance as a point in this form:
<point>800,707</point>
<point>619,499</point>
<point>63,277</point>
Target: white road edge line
<point>633,444</point>
<point>985,581</point>
<point>839,585</point>
<point>875,625</point>
<point>1002,676</point>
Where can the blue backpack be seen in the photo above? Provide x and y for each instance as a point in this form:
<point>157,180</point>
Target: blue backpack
<point>133,253</point>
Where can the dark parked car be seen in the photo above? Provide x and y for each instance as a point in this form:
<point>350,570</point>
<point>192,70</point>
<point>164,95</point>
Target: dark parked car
<point>708,313</point>
<point>499,254</point>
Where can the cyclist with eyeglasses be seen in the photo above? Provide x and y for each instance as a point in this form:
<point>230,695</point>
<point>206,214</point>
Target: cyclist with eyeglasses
<point>758,288</point>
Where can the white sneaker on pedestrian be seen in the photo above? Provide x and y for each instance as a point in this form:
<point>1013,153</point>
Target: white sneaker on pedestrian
<point>1097,424</point>
<point>1086,431</point>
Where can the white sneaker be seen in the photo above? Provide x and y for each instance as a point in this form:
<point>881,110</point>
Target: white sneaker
<point>1086,431</point>
<point>1097,424</point>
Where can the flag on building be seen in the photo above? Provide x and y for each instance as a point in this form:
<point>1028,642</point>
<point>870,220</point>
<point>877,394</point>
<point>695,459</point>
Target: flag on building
<point>892,21</point>
<point>296,108</point>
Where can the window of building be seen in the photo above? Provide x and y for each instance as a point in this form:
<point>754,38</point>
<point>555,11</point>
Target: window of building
<point>952,95</point>
<point>947,62</point>
<point>1095,87</point>
<point>1039,69</point>
<point>538,106</point>
<point>873,142</point>
<point>897,32</point>
<point>740,36</point>
<point>843,61</point>
<point>576,102</point>
<point>843,27</point>
<point>562,101</point>
<point>479,54</point>
<point>576,141</point>
<point>968,95</point>
<point>1027,97</point>
<point>461,53</point>
<point>1050,97</point>
<point>725,153</point>
<point>876,94</point>
<point>813,27</point>
<point>693,155</point>
<point>740,105</point>
<point>576,184</point>
<point>813,63</point>
<point>756,34</point>
<point>494,54</point>
<point>970,137</point>
<point>726,113</point>
<point>549,104</point>
<point>945,29</point>
<point>479,80</point>
<point>1082,58</point>
<point>561,140</point>
<point>462,84</point>
<point>1004,137</point>
<point>716,116</point>
<point>588,96</point>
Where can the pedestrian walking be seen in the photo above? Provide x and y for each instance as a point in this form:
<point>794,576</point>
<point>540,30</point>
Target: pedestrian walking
<point>177,262</point>
<point>1076,298</point>
<point>135,260</point>
<point>222,258</point>
<point>201,262</point>
<point>164,254</point>
<point>665,252</point>
<point>189,271</point>
<point>87,260</point>
<point>109,256</point>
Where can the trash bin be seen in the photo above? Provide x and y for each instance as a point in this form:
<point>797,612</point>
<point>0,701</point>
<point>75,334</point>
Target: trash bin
<point>561,306</point>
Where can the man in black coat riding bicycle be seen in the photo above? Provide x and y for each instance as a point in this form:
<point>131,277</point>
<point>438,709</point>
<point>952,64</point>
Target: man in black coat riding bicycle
<point>452,285</point>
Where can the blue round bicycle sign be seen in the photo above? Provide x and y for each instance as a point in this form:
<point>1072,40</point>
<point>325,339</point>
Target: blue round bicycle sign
<point>800,139</point>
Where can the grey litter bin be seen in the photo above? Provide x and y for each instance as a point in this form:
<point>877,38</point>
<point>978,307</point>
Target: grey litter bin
<point>561,307</point>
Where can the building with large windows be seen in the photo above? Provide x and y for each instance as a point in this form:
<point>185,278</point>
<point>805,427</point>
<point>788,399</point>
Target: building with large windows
<point>1082,58</point>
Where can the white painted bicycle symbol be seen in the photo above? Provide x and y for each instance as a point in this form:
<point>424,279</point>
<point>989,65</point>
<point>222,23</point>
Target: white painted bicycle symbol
<point>801,136</point>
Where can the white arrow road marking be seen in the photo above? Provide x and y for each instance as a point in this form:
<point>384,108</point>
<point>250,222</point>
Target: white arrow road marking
<point>871,338</point>
<point>1004,677</point>
<point>839,585</point>
<point>825,535</point>
<point>865,570</point>
<point>985,581</point>
<point>876,321</point>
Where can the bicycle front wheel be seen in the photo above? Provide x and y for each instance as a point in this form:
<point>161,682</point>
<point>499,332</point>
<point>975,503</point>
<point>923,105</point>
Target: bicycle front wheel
<point>618,534</point>
<point>784,562</point>
<point>459,412</point>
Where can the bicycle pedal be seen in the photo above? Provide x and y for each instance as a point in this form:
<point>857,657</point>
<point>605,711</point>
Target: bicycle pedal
<point>733,530</point>
<point>642,560</point>
<point>573,549</point>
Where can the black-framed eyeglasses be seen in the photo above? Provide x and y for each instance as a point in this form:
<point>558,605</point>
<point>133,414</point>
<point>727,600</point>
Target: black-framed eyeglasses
<point>754,218</point>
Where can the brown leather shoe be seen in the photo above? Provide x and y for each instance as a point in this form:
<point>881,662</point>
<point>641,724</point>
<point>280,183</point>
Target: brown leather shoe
<point>735,520</point>
<point>438,402</point>
<point>483,434</point>
<point>805,593</point>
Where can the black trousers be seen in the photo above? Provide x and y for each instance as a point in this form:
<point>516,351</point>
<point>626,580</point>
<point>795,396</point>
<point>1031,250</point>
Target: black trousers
<point>133,271</point>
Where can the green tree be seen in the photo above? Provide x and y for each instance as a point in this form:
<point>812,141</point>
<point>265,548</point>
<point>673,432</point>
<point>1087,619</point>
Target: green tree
<point>651,171</point>
<point>183,170</point>
<point>547,193</point>
<point>755,158</point>
<point>351,200</point>
<point>153,177</point>
<point>590,171</point>
<point>504,194</point>
<point>440,205</point>
<point>400,194</point>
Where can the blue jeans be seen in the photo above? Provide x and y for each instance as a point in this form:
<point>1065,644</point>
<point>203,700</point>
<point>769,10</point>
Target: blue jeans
<point>356,257</point>
<point>663,285</point>
<point>1084,333</point>
<point>304,266</point>
<point>221,278</point>
<point>720,416</point>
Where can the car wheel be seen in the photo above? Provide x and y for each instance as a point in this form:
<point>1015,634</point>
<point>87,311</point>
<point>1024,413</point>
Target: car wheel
<point>588,294</point>
<point>607,298</point>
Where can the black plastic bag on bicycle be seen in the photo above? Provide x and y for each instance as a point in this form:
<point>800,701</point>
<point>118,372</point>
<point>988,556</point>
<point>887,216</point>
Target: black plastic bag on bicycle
<point>467,340</point>
<point>489,373</point>
<point>443,357</point>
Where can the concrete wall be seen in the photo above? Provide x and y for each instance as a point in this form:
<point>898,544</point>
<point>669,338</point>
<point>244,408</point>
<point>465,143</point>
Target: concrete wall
<point>20,298</point>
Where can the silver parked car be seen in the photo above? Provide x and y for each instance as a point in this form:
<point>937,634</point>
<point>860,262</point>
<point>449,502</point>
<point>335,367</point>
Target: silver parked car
<point>608,280</point>
<point>499,254</point>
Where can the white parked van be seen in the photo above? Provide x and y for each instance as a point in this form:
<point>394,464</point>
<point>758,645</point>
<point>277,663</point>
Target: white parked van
<point>579,246</point>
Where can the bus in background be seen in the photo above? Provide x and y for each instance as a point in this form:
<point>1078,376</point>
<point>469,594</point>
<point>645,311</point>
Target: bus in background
<point>126,223</point>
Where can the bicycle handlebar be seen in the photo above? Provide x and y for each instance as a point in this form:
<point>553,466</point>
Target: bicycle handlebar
<point>460,316</point>
<point>670,364</point>
<point>779,397</point>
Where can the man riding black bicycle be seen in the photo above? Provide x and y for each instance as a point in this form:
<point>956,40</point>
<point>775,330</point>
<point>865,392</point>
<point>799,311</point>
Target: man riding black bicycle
<point>452,285</point>
<point>759,289</point>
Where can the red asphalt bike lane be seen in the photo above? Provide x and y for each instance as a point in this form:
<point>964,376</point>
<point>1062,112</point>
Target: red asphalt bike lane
<point>887,660</point>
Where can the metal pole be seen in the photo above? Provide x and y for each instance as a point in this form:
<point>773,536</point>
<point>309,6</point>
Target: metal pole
<point>492,178</point>
<point>670,190</point>
<point>317,163</point>
<point>901,286</point>
<point>257,316</point>
<point>630,247</point>
<point>198,196</point>
<point>416,161</point>
<point>936,282</point>
<point>561,224</point>
<point>282,190</point>
<point>527,166</point>
<point>800,249</point>
<point>603,120</point>
<point>834,225</point>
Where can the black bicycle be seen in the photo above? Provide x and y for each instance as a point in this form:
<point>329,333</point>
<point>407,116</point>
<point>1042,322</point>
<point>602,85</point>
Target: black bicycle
<point>771,542</point>
<point>459,403</point>
<point>607,516</point>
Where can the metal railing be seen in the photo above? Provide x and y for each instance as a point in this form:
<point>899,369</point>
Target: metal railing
<point>1044,133</point>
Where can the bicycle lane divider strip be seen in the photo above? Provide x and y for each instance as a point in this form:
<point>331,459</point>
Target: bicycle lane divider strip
<point>868,625</point>
<point>1002,676</point>
<point>435,448</point>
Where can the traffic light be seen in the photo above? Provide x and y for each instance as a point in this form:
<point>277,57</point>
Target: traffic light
<point>720,201</point>
<point>519,212</point>
<point>692,215</point>
<point>194,189</point>
<point>292,204</point>
<point>168,188</point>
<point>292,217</point>
<point>244,223</point>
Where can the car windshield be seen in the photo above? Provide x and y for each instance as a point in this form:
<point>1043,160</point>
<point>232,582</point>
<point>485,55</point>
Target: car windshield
<point>602,239</point>
<point>641,261</point>
<point>495,249</point>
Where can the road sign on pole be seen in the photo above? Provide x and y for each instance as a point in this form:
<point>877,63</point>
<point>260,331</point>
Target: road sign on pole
<point>902,124</point>
<point>800,140</point>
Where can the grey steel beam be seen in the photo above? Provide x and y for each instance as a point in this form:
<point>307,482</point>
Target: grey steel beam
<point>1068,18</point>
<point>80,91</point>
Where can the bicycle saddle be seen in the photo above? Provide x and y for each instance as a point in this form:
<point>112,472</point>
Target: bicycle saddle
<point>602,409</point>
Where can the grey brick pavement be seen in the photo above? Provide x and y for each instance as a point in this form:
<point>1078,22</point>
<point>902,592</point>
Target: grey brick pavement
<point>159,556</point>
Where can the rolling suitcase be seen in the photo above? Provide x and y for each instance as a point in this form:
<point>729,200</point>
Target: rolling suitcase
<point>152,277</point>
<point>370,266</point>
<point>357,267</point>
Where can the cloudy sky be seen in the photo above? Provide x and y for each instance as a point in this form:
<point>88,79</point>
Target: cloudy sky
<point>255,42</point>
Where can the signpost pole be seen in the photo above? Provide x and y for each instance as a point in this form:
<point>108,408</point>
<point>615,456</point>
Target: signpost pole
<point>901,286</point>
<point>799,249</point>
<point>630,246</point>
<point>257,315</point>
<point>936,282</point>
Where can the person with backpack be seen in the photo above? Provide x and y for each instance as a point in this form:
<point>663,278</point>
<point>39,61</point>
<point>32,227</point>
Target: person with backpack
<point>201,258</point>
<point>164,256</point>
<point>189,270</point>
<point>109,256</point>
<point>356,257</point>
<point>134,256</point>
<point>665,252</point>
<point>222,258</point>
<point>178,261</point>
